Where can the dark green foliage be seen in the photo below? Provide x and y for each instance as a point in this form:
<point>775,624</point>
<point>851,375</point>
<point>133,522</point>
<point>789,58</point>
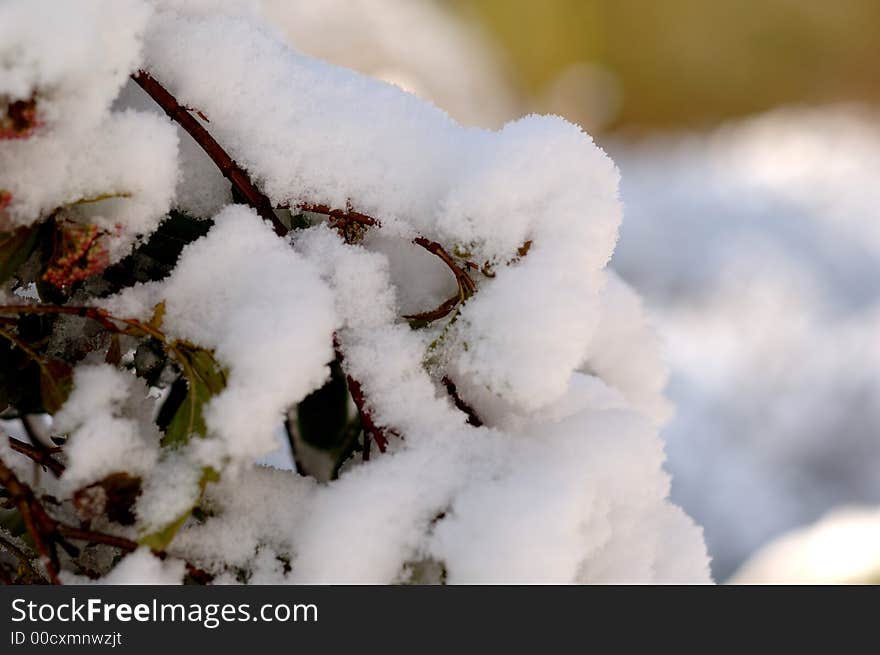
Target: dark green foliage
<point>15,249</point>
<point>156,257</point>
<point>205,378</point>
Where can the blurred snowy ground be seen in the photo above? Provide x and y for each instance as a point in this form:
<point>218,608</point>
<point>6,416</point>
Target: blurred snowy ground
<point>757,249</point>
<point>840,548</point>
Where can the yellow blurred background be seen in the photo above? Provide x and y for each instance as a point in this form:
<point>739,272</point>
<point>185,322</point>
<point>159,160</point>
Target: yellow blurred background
<point>642,64</point>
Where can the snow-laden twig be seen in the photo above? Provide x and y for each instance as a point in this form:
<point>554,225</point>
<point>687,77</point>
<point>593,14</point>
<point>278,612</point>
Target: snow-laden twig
<point>43,457</point>
<point>240,180</point>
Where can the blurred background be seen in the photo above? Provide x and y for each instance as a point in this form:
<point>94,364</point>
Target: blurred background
<point>748,138</point>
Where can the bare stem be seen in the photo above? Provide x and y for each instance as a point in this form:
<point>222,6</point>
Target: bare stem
<point>105,318</point>
<point>372,432</point>
<point>43,457</point>
<point>469,411</point>
<point>466,284</point>
<point>38,523</point>
<point>47,532</point>
<point>93,537</point>
<point>340,214</point>
<point>227,165</point>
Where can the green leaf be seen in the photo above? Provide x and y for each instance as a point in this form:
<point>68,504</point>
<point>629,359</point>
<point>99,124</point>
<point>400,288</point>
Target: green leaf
<point>38,383</point>
<point>56,382</point>
<point>158,315</point>
<point>299,222</point>
<point>173,400</point>
<point>87,200</point>
<point>205,378</point>
<point>15,248</point>
<point>160,539</point>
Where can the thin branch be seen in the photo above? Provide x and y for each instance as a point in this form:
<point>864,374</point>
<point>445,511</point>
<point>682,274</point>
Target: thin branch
<point>35,434</point>
<point>94,313</point>
<point>43,457</point>
<point>38,523</point>
<point>101,316</point>
<point>94,537</point>
<point>466,285</point>
<point>39,440</point>
<point>126,545</point>
<point>437,313</point>
<point>236,175</point>
<point>341,214</point>
<point>469,411</point>
<point>21,345</point>
<point>371,430</point>
<point>46,531</point>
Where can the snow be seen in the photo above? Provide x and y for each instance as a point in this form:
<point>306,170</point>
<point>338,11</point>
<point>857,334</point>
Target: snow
<point>756,249</point>
<point>73,60</point>
<point>484,501</point>
<point>171,490</point>
<point>74,57</point>
<point>840,548</point>
<point>107,427</point>
<point>564,481</point>
<point>335,137</point>
<point>244,293</point>
<point>140,567</point>
<point>262,507</point>
<point>262,309</point>
<point>115,159</point>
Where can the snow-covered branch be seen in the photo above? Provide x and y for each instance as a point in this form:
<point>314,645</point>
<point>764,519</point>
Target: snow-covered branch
<point>170,332</point>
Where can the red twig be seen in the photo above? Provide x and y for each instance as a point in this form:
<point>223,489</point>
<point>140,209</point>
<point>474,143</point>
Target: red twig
<point>93,537</point>
<point>371,430</point>
<point>227,165</point>
<point>341,214</point>
<point>443,309</point>
<point>38,523</point>
<point>47,532</point>
<point>466,284</point>
<point>43,457</point>
<point>94,313</point>
<point>469,411</point>
<point>105,318</point>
